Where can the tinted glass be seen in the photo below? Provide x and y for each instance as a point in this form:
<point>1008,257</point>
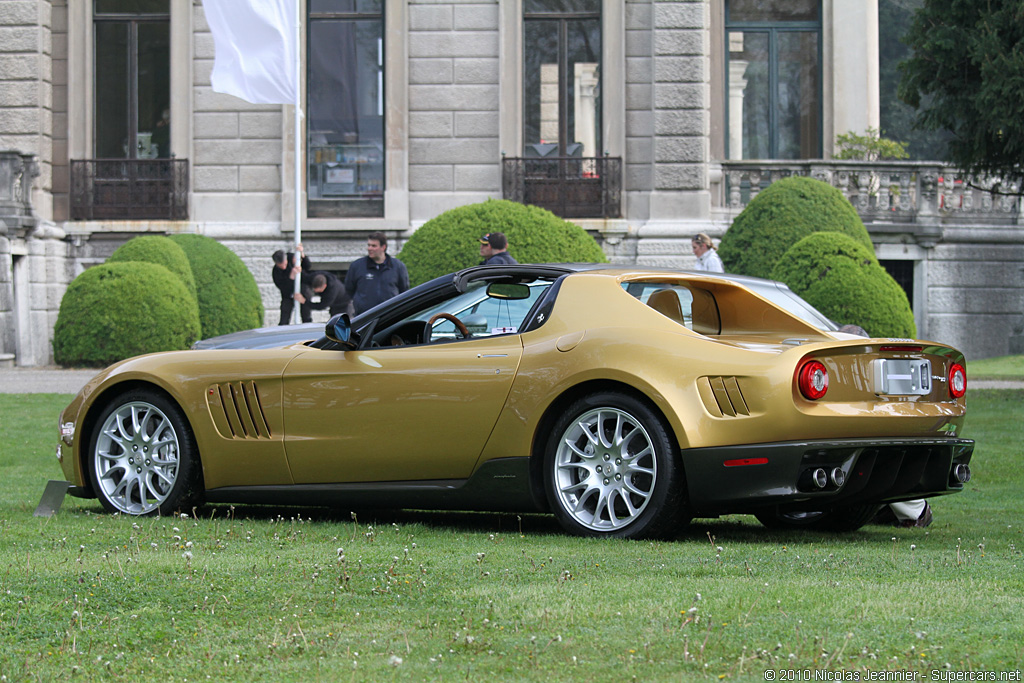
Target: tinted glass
<point>112,107</point>
<point>798,106</point>
<point>584,87</point>
<point>345,6</point>
<point>561,6</point>
<point>773,10</point>
<point>540,82</point>
<point>346,108</point>
<point>132,7</point>
<point>749,96</point>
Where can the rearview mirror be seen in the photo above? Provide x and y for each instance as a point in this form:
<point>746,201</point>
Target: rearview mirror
<point>508,291</point>
<point>339,329</point>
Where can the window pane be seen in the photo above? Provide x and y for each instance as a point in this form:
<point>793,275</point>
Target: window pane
<point>347,6</point>
<point>154,90</point>
<point>540,82</point>
<point>584,88</point>
<point>132,7</point>
<point>563,6</point>
<point>111,98</point>
<point>346,109</point>
<point>798,106</point>
<point>773,10</point>
<point>749,96</point>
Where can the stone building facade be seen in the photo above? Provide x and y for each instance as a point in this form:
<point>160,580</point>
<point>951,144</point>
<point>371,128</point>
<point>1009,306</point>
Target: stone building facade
<point>686,107</point>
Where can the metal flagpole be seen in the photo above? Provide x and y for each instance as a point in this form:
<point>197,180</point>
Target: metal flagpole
<point>298,154</point>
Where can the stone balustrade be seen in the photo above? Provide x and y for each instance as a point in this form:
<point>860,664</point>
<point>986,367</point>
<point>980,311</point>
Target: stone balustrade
<point>884,191</point>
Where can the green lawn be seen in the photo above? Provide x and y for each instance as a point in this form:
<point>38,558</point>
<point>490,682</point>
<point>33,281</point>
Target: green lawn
<point>1004,367</point>
<point>251,593</point>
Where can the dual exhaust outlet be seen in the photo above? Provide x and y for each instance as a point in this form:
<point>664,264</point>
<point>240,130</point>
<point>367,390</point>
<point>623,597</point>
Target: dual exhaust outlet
<point>820,478</point>
<point>960,474</point>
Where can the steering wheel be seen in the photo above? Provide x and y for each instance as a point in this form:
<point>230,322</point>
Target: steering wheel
<point>463,330</point>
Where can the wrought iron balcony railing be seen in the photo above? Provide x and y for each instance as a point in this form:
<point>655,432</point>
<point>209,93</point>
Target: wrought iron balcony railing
<point>129,189</point>
<point>570,187</point>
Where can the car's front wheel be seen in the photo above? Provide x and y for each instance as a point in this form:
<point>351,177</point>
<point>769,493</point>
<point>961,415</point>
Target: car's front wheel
<point>612,469</point>
<point>842,519</point>
<point>142,457</point>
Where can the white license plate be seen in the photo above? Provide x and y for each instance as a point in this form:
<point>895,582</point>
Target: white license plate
<point>902,377</point>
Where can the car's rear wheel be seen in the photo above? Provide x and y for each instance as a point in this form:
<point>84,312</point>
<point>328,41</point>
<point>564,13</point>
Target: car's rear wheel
<point>842,519</point>
<point>612,469</point>
<point>142,457</point>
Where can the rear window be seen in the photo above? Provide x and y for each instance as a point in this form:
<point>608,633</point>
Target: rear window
<point>695,309</point>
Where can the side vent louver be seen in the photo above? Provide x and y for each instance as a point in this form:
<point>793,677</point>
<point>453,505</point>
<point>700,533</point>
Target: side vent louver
<point>722,396</point>
<point>236,410</point>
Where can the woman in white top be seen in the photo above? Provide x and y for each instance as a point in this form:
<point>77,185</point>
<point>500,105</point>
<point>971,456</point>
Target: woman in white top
<point>707,257</point>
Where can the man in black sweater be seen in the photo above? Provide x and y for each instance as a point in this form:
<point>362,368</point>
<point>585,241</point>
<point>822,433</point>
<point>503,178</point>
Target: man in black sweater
<point>376,277</point>
<point>332,293</point>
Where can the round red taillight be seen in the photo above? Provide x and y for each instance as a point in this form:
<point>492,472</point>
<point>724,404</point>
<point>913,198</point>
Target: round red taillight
<point>957,380</point>
<point>813,379</point>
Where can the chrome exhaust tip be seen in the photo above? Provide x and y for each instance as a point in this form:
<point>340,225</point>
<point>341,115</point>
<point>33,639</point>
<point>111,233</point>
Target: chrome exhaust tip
<point>838,477</point>
<point>819,478</point>
<point>961,473</point>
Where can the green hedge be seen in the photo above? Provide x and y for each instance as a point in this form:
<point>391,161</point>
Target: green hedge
<point>229,299</point>
<point>118,310</point>
<point>450,242</point>
<point>780,216</point>
<point>843,280</point>
<point>160,250</point>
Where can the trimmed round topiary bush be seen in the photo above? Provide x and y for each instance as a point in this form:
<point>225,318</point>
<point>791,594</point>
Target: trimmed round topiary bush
<point>229,299</point>
<point>118,310</point>
<point>780,216</point>
<point>160,250</point>
<point>843,280</point>
<point>451,241</point>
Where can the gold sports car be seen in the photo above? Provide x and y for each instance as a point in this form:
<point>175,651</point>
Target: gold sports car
<point>625,401</point>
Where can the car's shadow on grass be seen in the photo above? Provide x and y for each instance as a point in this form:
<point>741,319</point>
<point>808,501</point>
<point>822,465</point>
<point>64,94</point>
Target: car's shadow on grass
<point>732,528</point>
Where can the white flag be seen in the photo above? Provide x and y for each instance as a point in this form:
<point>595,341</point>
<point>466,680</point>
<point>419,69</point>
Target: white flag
<point>256,49</point>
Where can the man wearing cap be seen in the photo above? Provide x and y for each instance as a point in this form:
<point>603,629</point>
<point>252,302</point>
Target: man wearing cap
<point>494,249</point>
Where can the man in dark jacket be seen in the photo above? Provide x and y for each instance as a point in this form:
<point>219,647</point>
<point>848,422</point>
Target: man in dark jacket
<point>284,274</point>
<point>332,293</point>
<point>376,277</point>
<point>494,249</point>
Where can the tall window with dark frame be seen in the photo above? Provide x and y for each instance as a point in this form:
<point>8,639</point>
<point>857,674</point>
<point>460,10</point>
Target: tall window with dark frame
<point>773,79</point>
<point>131,175</point>
<point>132,79</point>
<point>562,78</point>
<point>563,168</point>
<point>345,108</point>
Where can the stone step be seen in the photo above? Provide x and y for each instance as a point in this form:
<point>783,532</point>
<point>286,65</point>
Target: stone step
<point>6,360</point>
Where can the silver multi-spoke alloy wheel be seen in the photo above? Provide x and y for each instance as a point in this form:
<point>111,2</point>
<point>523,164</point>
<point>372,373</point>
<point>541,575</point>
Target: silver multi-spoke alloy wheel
<point>605,469</point>
<point>136,458</point>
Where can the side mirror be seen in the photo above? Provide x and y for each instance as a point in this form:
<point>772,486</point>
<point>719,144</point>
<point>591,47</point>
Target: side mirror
<point>339,329</point>
<point>508,291</point>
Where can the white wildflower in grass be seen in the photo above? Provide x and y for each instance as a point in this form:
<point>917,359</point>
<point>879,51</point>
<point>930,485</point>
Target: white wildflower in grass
<point>187,555</point>
<point>395,660</point>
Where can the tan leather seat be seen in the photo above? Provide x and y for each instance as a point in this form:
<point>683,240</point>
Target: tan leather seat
<point>666,302</point>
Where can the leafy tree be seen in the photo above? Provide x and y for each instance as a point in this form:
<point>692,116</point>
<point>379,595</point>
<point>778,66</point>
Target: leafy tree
<point>968,57</point>
<point>868,147</point>
<point>896,117</point>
